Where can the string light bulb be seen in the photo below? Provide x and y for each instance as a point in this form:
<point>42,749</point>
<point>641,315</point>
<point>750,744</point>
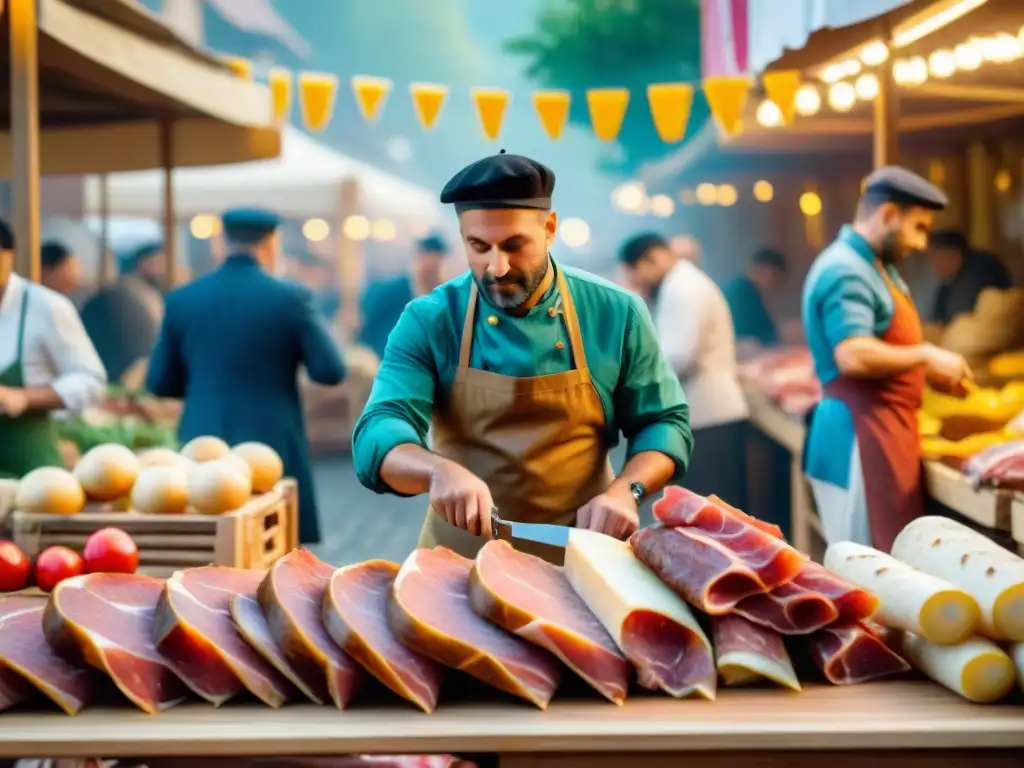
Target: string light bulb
<point>866,87</point>
<point>968,56</point>
<point>807,101</point>
<point>705,194</point>
<point>874,53</point>
<point>842,96</point>
<point>910,71</point>
<point>768,114</point>
<point>1003,180</point>
<point>726,195</point>
<point>763,191</point>
<point>810,204</point>
<point>833,73</point>
<point>1003,49</point>
<point>942,63</point>
<point>662,206</point>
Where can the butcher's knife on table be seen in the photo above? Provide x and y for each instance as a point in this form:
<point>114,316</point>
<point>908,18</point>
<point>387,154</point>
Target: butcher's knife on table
<point>548,542</point>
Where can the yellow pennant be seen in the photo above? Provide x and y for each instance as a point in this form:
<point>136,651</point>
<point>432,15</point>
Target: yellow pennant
<point>781,88</point>
<point>317,92</point>
<point>370,93</point>
<point>239,67</point>
<point>490,108</point>
<point>427,100</point>
<point>727,98</point>
<point>280,81</point>
<point>670,109</point>
<point>553,110</point>
<point>607,109</point>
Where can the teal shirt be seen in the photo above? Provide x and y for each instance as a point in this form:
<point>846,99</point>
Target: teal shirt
<point>642,397</point>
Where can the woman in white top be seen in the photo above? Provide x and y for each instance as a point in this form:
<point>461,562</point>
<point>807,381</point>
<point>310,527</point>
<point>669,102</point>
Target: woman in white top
<point>47,363</point>
<point>696,334</point>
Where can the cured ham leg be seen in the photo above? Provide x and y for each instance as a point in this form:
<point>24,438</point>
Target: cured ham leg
<point>850,653</point>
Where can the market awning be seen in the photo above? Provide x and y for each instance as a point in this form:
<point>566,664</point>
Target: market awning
<point>111,75</point>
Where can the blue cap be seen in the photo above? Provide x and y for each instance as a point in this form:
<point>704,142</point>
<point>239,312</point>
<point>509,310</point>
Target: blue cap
<point>893,184</point>
<point>247,226</point>
<point>501,181</point>
<point>130,258</point>
<point>432,244</point>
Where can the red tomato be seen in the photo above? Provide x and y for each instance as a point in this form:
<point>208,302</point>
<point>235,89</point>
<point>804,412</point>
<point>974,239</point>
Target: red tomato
<point>110,550</point>
<point>55,564</point>
<point>15,568</point>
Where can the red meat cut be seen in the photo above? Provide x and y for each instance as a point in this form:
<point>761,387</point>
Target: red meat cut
<point>195,634</point>
<point>849,653</point>
<point>429,611</point>
<point>999,466</point>
<point>252,626</point>
<point>290,597</point>
<point>355,609</point>
<point>28,663</point>
<point>534,600</point>
<point>106,619</point>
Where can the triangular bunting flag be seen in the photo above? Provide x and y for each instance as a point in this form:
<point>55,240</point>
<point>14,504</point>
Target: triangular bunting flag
<point>553,110</point>
<point>490,108</point>
<point>317,91</point>
<point>370,93</point>
<point>607,109</point>
<point>239,66</point>
<point>727,98</point>
<point>427,100</point>
<point>781,88</point>
<point>280,81</point>
<point>670,109</point>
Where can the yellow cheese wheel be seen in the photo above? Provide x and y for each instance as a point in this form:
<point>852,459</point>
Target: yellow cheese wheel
<point>267,467</point>
<point>218,486</point>
<point>107,472</point>
<point>163,457</point>
<point>50,490</point>
<point>205,448</point>
<point>161,490</point>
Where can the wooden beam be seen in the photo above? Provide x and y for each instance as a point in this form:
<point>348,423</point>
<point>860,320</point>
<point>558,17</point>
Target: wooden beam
<point>24,38</point>
<point>968,92</point>
<point>887,118</point>
<point>958,117</point>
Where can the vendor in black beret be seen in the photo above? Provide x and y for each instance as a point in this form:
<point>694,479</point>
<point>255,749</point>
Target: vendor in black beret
<point>863,453</point>
<point>527,371</point>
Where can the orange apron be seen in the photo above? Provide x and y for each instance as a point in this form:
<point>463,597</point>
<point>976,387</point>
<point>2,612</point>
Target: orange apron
<point>538,442</point>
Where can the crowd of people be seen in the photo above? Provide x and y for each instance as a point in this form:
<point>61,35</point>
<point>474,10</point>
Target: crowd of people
<point>507,387</point>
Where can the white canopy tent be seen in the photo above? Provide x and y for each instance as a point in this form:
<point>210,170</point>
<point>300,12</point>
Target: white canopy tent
<point>303,182</point>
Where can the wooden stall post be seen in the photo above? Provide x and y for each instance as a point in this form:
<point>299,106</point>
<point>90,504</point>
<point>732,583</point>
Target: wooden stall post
<point>887,118</point>
<point>981,196</point>
<point>170,228</point>
<point>351,261</point>
<point>24,39</point>
<point>108,264</point>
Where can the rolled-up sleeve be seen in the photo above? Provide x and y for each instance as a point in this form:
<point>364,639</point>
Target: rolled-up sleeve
<point>650,405</point>
<point>81,379</point>
<point>401,401</point>
<point>847,306</point>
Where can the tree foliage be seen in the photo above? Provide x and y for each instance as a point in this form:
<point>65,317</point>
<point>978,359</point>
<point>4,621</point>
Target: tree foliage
<point>581,44</point>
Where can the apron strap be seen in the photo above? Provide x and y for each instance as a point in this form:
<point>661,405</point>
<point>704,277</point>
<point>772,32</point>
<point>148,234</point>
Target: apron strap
<point>21,326</point>
<point>467,328</point>
<point>572,323</point>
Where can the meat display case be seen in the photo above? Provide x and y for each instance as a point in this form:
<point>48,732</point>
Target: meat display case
<point>884,724</point>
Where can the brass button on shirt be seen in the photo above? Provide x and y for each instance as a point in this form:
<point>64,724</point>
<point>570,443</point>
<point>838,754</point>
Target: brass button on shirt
<point>642,397</point>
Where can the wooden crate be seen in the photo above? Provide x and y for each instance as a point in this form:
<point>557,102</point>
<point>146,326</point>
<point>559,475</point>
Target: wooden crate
<point>253,536</point>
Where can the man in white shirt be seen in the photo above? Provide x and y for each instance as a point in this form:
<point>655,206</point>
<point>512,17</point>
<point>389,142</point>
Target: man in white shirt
<point>696,334</point>
<point>47,363</point>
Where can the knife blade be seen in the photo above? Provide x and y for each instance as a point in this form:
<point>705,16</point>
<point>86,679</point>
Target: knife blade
<point>547,542</point>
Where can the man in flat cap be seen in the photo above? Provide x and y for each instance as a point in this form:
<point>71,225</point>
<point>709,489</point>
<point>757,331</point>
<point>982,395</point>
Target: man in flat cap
<point>231,345</point>
<point>862,453</point>
<point>527,370</point>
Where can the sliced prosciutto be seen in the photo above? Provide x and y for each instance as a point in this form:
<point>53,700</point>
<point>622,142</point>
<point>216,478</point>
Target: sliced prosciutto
<point>651,624</point>
<point>710,575</point>
<point>194,632</point>
<point>290,597</point>
<point>746,652</point>
<point>533,599</point>
<point>429,612</point>
<point>769,528</point>
<point>106,619</point>
<point>355,607</point>
<point>850,653</point>
<point>252,626</point>
<point>27,662</point>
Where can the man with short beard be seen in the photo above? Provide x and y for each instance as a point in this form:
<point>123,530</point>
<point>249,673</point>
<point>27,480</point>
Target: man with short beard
<point>863,453</point>
<point>527,370</point>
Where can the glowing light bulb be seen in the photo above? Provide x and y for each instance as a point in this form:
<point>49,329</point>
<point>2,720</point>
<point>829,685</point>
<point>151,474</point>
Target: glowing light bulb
<point>842,96</point>
<point>810,204</point>
<point>726,195</point>
<point>763,191</point>
<point>768,114</point>
<point>866,87</point>
<point>807,101</point>
<point>705,194</point>
<point>968,56</point>
<point>874,53</point>
<point>942,63</point>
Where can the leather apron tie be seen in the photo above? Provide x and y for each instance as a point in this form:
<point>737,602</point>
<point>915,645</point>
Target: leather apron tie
<point>536,441</point>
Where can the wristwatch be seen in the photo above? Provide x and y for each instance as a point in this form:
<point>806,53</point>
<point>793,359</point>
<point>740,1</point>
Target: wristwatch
<point>638,490</point>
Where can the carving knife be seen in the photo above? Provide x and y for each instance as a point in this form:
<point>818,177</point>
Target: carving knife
<point>547,542</point>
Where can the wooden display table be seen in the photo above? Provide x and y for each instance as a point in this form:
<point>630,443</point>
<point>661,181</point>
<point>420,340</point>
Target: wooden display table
<point>824,725</point>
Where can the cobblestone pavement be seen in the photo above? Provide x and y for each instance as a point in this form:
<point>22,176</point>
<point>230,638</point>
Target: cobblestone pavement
<point>359,525</point>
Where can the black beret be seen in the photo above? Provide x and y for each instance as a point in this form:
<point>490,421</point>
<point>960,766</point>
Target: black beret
<point>432,244</point>
<point>952,239</point>
<point>501,181</point>
<point>893,184</point>
<point>53,254</point>
<point>639,246</point>
<point>6,237</point>
<point>248,226</point>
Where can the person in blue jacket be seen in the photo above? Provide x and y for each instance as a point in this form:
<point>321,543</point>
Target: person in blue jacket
<point>231,346</point>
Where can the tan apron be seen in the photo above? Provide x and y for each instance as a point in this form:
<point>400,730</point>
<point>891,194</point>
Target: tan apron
<point>536,441</point>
